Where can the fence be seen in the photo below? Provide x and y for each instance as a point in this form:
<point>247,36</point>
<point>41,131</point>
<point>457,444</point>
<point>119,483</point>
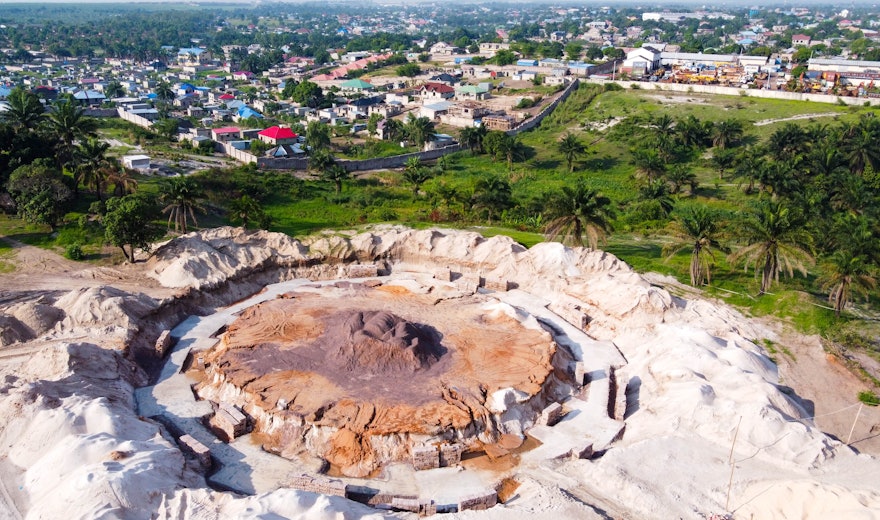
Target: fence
<point>733,91</point>
<point>378,163</point>
<point>136,119</point>
<point>535,121</point>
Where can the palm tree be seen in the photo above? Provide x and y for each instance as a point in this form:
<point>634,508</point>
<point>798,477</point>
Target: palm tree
<point>577,213</point>
<point>68,123</point>
<point>335,174</point>
<point>648,163</point>
<point>696,228</point>
<point>692,132</point>
<point>418,129</point>
<point>845,273</point>
<point>164,91</point>
<point>491,195</point>
<point>114,89</point>
<point>415,174</point>
<point>320,159</point>
<point>24,111</point>
<point>680,176</point>
<point>774,235</point>
<point>181,196</point>
<point>657,191</point>
<point>246,210</point>
<point>472,138</point>
<point>859,145</point>
<point>748,166</point>
<point>571,148</point>
<point>123,182</point>
<point>722,159</point>
<point>788,142</point>
<point>317,136</point>
<point>94,167</point>
<point>726,133</point>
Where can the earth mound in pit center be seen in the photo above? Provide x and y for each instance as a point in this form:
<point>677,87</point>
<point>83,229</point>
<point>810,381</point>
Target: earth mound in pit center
<point>350,374</point>
<point>379,342</point>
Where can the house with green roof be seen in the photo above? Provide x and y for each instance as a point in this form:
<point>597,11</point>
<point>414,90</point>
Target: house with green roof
<point>471,92</point>
<point>356,85</point>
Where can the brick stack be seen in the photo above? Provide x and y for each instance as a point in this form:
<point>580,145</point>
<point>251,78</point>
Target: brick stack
<point>324,486</point>
<point>163,343</point>
<point>450,454</point>
<point>478,501</point>
<point>550,415</point>
<point>425,457</point>
<point>195,449</point>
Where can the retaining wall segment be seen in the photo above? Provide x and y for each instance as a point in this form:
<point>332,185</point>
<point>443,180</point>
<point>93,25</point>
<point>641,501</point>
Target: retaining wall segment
<point>322,485</point>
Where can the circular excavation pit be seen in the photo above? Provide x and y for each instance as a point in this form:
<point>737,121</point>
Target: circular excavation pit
<point>350,377</point>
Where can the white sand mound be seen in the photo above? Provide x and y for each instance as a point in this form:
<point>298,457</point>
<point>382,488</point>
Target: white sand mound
<point>809,500</point>
<point>207,259</point>
<point>693,374</point>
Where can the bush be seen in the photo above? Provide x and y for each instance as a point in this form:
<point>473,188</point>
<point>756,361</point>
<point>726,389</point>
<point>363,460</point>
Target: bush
<point>74,252</point>
<point>869,398</point>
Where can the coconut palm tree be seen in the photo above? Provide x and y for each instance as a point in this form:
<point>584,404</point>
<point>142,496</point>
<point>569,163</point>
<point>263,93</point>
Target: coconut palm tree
<point>727,133</point>
<point>415,174</point>
<point>722,160</point>
<point>845,273</point>
<point>578,213</point>
<point>24,111</point>
<point>68,123</point>
<point>571,148</point>
<point>774,236</point>
<point>181,196</point>
<point>696,228</point>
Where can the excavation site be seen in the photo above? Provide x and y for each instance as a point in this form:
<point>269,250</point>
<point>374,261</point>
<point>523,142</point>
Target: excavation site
<point>399,373</point>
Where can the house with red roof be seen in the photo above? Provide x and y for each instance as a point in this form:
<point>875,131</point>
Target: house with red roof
<point>436,91</point>
<point>278,135</point>
<point>242,75</point>
<point>226,134</point>
<point>800,40</point>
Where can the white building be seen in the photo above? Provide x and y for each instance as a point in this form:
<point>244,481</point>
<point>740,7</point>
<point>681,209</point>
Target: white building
<point>136,162</point>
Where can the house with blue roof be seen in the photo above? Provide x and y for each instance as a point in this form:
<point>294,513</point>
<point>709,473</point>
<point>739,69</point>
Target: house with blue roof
<point>247,112</point>
<point>4,92</point>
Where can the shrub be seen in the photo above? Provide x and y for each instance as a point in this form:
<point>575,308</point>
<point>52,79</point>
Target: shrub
<point>74,252</point>
<point>869,398</point>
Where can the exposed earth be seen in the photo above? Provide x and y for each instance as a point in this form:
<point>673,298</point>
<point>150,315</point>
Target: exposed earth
<point>686,375</point>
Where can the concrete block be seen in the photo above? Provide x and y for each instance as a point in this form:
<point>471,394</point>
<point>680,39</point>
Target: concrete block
<point>428,508</point>
<point>163,343</point>
<point>195,449</point>
<point>228,423</point>
<point>583,452</point>
<point>571,313</point>
<point>425,457</point>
